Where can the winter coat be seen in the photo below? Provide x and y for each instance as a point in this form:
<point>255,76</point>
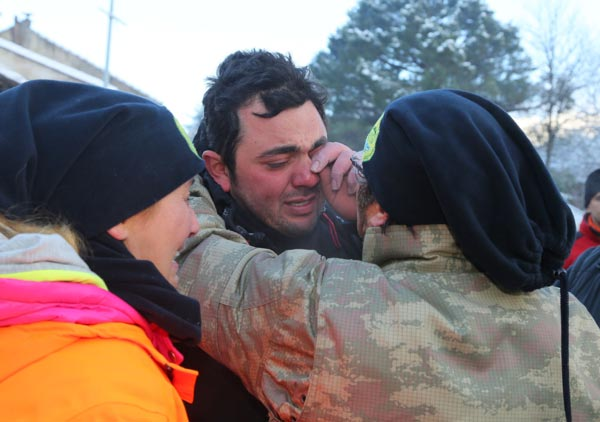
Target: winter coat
<point>587,238</point>
<point>71,350</point>
<point>414,333</point>
<point>584,280</point>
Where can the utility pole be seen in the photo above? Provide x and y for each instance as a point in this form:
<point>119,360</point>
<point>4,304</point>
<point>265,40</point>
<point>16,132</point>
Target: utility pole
<point>111,17</point>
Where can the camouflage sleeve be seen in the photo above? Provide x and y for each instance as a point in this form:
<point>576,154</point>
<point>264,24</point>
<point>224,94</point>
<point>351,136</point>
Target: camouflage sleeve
<point>210,222</point>
<point>584,343</point>
<point>256,308</point>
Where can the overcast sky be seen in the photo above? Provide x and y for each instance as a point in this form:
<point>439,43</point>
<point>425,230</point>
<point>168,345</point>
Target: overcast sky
<point>168,48</point>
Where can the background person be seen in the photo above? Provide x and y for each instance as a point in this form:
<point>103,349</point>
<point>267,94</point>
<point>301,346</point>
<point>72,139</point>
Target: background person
<point>449,317</point>
<point>588,235</point>
<point>118,168</point>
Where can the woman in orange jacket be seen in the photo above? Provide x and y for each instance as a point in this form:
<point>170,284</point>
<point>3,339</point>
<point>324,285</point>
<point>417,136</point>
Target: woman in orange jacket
<point>92,339</point>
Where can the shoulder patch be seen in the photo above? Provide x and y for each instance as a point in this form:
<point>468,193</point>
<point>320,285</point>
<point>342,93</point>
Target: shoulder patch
<point>369,148</point>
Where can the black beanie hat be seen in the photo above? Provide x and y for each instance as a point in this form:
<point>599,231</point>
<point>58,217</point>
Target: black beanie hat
<point>452,157</point>
<point>592,187</point>
<point>92,155</point>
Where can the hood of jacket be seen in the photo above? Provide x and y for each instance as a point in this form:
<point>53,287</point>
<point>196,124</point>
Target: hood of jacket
<point>43,279</point>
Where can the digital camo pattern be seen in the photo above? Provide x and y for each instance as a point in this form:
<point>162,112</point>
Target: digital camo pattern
<point>421,336</point>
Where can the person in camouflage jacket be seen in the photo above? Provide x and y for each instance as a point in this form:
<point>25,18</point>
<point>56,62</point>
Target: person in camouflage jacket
<point>449,317</point>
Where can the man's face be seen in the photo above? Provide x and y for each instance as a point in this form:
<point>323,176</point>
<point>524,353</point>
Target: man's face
<point>273,158</point>
<point>594,208</point>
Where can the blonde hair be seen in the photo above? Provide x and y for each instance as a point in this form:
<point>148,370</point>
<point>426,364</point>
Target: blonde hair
<point>10,228</point>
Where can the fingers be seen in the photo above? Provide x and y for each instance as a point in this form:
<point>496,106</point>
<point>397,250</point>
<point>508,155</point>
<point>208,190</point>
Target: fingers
<point>341,201</point>
<point>352,182</point>
<point>325,155</point>
<point>336,155</point>
<point>341,168</point>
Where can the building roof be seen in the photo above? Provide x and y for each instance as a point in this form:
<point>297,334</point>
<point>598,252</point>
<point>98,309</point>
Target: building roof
<point>27,55</point>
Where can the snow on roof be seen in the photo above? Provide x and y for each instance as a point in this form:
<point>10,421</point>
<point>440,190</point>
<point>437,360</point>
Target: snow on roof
<point>11,74</point>
<point>51,64</point>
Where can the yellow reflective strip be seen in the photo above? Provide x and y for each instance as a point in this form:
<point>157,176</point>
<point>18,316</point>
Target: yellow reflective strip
<point>186,137</point>
<point>58,275</point>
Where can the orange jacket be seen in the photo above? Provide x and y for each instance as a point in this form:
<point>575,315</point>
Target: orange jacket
<point>58,371</point>
<point>71,350</point>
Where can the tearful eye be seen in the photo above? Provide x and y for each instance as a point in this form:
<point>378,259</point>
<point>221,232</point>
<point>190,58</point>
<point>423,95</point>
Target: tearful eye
<point>277,164</point>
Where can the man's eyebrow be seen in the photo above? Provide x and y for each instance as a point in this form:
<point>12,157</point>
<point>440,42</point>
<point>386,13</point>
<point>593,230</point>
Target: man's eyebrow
<point>285,149</point>
<point>319,142</point>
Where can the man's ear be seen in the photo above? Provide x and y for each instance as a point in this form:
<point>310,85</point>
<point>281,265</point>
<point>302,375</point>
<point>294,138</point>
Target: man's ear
<point>217,169</point>
<point>377,216</point>
<point>118,232</point>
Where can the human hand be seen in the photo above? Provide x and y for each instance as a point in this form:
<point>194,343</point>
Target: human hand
<point>338,181</point>
<point>336,157</point>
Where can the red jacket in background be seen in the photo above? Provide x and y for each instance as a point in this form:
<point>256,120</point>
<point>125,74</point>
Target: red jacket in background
<point>587,237</point>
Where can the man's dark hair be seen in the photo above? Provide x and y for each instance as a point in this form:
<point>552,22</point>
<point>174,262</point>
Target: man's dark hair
<point>242,77</point>
<point>364,197</point>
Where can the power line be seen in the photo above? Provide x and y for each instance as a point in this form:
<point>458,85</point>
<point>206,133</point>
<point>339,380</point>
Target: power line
<point>111,17</point>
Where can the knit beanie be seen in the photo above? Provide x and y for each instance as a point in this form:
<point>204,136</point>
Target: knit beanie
<point>592,187</point>
<point>91,155</point>
<point>452,157</point>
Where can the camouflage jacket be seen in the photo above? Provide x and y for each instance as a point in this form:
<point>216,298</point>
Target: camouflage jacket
<point>416,333</point>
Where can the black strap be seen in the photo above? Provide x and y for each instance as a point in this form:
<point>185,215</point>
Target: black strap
<point>564,340</point>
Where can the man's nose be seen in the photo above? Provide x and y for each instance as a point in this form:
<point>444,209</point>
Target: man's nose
<point>303,176</point>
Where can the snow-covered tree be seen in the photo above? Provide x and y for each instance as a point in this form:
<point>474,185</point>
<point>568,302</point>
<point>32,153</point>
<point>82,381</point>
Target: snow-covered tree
<point>567,60</point>
<point>391,48</point>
